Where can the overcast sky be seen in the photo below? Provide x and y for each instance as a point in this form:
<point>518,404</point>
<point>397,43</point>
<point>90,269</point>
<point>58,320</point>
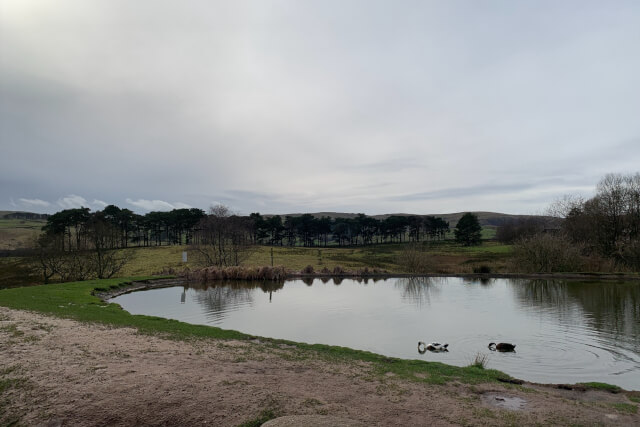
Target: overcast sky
<point>302,106</point>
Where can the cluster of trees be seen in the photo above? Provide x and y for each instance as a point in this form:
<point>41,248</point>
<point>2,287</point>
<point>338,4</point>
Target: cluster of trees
<point>307,230</point>
<point>125,227</point>
<point>602,232</point>
<point>513,230</point>
<point>77,244</point>
<point>608,223</point>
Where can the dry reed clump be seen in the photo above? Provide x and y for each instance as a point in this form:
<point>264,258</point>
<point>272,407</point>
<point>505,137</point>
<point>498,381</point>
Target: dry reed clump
<point>170,271</point>
<point>480,361</point>
<point>325,271</point>
<point>208,274</point>
<point>308,270</point>
<point>363,272</point>
<point>338,270</point>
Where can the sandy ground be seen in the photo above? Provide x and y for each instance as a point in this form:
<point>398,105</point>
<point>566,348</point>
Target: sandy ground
<point>77,374</point>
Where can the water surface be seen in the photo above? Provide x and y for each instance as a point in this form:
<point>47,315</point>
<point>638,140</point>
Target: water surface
<point>565,331</point>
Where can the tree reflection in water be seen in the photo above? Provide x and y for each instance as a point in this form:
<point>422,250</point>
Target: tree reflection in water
<point>418,290</point>
<point>217,298</point>
<point>610,308</point>
<point>486,282</point>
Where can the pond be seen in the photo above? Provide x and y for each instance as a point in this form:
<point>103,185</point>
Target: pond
<point>565,331</point>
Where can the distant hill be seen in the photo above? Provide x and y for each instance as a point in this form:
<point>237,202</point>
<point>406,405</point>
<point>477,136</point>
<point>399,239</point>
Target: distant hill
<point>22,215</point>
<point>18,229</point>
<point>487,219</point>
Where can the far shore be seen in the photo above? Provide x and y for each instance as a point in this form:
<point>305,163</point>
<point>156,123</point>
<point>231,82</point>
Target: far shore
<point>178,280</point>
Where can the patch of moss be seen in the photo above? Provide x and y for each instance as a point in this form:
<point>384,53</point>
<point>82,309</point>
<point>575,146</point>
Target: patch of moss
<point>263,417</point>
<point>626,408</point>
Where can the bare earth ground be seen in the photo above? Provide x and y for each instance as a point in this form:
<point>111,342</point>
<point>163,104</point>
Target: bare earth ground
<point>77,374</point>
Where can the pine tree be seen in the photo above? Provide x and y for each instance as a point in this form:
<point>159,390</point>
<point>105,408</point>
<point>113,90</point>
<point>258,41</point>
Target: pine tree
<point>468,230</point>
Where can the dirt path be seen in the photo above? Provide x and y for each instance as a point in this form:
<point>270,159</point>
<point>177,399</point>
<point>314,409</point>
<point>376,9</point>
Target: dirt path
<point>61,372</point>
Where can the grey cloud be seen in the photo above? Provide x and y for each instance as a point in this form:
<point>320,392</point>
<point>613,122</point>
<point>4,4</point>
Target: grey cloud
<point>72,201</point>
<point>35,203</point>
<point>156,205</point>
<point>461,192</point>
<point>287,106</point>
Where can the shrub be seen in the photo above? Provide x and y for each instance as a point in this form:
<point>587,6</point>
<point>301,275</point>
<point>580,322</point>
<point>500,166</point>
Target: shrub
<point>548,253</point>
<point>338,270</point>
<point>631,255</point>
<point>308,270</point>
<point>482,269</point>
<point>363,271</point>
<point>414,259</point>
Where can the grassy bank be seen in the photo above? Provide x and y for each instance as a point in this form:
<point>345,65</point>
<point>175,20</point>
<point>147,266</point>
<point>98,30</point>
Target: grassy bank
<point>75,301</point>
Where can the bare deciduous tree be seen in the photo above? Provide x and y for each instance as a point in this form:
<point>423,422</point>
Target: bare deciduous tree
<point>415,259</point>
<point>223,239</point>
<point>93,258</point>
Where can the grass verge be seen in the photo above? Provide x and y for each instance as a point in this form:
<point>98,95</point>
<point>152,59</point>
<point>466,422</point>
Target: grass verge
<point>602,386</point>
<point>263,417</point>
<point>76,301</point>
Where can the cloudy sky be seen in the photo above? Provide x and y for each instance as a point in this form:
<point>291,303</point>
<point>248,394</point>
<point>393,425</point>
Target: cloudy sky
<point>302,106</point>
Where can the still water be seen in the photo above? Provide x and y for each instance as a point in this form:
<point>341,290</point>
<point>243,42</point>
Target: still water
<point>565,331</point>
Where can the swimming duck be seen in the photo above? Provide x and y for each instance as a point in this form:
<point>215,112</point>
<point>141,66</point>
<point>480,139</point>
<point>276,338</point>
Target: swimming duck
<point>502,346</point>
<point>432,346</point>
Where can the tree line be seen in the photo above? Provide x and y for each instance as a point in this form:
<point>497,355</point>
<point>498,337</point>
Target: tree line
<point>71,228</point>
<point>77,244</point>
<point>307,230</point>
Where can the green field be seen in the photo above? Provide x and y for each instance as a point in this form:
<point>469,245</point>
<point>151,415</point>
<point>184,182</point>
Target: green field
<point>447,258</point>
<point>444,258</point>
<point>18,233</point>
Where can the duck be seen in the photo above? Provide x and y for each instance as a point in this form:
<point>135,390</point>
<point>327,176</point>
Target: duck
<point>432,346</point>
<point>502,346</point>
